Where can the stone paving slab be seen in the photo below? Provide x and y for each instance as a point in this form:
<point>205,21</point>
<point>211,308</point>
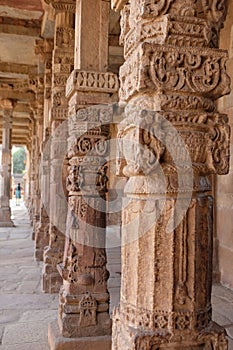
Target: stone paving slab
<point>25,332</point>
<point>25,311</point>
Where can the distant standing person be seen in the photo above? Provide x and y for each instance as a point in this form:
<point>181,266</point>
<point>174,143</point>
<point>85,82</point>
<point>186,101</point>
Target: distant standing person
<point>18,194</point>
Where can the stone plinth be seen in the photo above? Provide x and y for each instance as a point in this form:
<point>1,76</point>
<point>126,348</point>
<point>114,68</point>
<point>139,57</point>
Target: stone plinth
<point>57,342</point>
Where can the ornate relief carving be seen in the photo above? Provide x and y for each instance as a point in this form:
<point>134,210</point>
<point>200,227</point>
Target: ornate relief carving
<point>64,37</point>
<point>124,22</point>
<point>96,116</point>
<point>62,6</point>
<point>84,268</point>
<point>187,102</point>
<point>173,69</point>
<point>220,145</point>
<point>88,308</point>
<point>59,113</point>
<point>92,81</point>
<point>141,143</point>
<point>215,10</point>
<point>154,8</point>
<point>44,48</point>
<point>57,72</point>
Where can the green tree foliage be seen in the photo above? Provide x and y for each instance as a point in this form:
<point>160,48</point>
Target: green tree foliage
<point>19,160</point>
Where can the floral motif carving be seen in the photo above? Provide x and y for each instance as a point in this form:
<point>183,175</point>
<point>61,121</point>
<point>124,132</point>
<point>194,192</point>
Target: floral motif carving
<point>220,149</point>
<point>154,8</point>
<point>215,10</point>
<point>173,70</point>
<point>164,68</point>
<point>182,322</point>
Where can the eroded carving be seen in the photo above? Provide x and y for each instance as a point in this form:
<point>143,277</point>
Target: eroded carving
<point>173,72</point>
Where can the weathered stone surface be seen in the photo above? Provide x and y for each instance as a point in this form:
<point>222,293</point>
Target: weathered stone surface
<point>25,310</point>
<point>224,189</point>
<point>5,212</point>
<point>173,71</point>
<point>23,333</point>
<point>163,81</point>
<point>84,297</point>
<point>62,65</point>
<point>57,342</point>
<point>42,235</point>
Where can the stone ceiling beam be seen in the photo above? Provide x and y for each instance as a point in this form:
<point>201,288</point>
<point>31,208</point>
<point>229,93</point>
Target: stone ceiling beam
<point>16,68</point>
<point>21,121</point>
<point>22,125</point>
<point>16,95</point>
<point>23,132</point>
<point>17,26</point>
<point>22,109</point>
<point>18,137</point>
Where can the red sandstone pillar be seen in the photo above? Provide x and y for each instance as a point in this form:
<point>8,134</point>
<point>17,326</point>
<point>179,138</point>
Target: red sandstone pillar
<point>84,319</point>
<point>5,211</point>
<point>172,139</point>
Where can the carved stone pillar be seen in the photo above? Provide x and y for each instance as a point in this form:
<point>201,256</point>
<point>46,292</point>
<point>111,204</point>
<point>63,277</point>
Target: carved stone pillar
<point>5,211</point>
<point>37,85</point>
<point>84,298</point>
<point>171,140</point>
<point>34,178</point>
<point>44,49</point>
<point>62,66</point>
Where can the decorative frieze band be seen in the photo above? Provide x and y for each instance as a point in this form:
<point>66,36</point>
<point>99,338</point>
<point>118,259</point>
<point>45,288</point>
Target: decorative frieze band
<point>92,81</point>
<point>63,6</point>
<point>59,113</point>
<point>161,320</point>
<point>171,30</point>
<point>166,68</point>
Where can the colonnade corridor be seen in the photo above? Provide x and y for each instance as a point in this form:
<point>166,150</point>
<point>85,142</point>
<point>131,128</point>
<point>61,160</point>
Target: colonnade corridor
<point>25,311</point>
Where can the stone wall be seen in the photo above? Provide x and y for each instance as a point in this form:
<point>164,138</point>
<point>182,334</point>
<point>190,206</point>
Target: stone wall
<point>224,184</point>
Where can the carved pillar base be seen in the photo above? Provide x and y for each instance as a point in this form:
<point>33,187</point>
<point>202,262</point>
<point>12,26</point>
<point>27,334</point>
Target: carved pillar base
<point>130,338</point>
<point>5,217</point>
<point>51,280</point>
<point>42,235</point>
<point>57,342</point>
<point>174,311</point>
<point>84,298</point>
<point>53,255</point>
<point>41,240</point>
<point>84,315</point>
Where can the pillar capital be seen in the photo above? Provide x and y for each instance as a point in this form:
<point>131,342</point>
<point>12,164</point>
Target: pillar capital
<point>62,6</point>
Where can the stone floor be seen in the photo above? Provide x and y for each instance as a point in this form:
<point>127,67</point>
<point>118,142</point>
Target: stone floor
<point>25,311</point>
